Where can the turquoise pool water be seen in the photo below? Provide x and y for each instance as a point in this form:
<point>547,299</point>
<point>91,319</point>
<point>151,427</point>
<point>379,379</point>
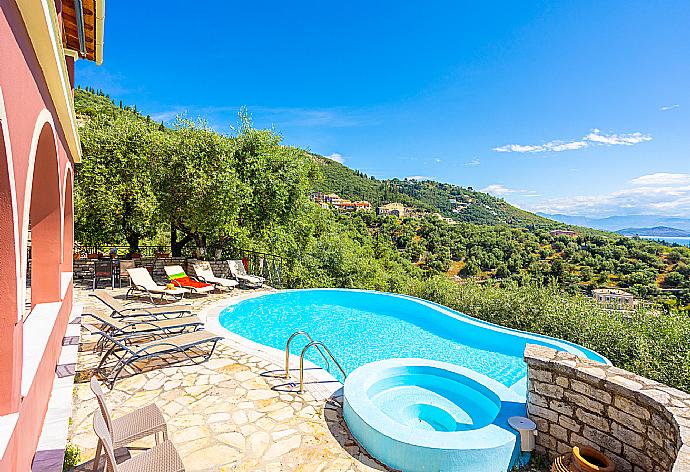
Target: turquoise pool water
<point>361,327</point>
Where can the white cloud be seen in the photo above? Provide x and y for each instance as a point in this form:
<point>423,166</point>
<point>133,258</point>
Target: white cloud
<point>437,160</point>
<point>519,148</point>
<point>419,177</point>
<point>337,157</point>
<point>594,138</point>
<point>670,107</point>
<point>662,178</point>
<point>497,190</point>
<point>500,190</point>
<point>617,139</point>
<point>168,115</point>
<point>473,162</point>
<point>571,146</point>
<point>656,194</point>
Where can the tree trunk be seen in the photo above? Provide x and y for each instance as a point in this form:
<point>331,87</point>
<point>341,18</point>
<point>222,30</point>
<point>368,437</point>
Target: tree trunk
<point>200,241</point>
<point>175,245</point>
<point>133,241</point>
<point>175,249</point>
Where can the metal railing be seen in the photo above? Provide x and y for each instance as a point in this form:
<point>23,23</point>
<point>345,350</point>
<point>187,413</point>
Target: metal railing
<point>287,351</point>
<point>264,264</point>
<point>121,251</point>
<point>318,345</point>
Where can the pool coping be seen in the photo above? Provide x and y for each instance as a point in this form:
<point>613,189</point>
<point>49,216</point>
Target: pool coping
<point>317,381</point>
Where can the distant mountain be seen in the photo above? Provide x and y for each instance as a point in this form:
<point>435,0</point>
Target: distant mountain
<point>661,231</point>
<point>616,223</point>
<point>463,204</point>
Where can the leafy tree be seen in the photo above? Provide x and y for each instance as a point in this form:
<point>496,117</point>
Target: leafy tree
<point>114,199</point>
<point>276,179</point>
<point>471,268</point>
<point>197,187</point>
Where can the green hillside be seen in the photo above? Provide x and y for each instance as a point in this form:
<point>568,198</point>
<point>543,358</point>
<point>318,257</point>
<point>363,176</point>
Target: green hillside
<point>470,206</point>
<point>187,187</point>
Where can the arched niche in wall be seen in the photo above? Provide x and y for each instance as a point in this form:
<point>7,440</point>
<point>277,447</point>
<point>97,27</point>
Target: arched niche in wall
<point>45,215</point>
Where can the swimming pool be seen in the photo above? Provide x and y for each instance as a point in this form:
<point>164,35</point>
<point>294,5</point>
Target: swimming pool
<point>361,327</point>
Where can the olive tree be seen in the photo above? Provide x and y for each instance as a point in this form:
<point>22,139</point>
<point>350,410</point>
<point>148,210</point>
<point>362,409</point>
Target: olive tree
<point>114,199</point>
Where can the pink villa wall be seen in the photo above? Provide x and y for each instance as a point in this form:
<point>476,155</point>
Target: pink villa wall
<point>36,180</point>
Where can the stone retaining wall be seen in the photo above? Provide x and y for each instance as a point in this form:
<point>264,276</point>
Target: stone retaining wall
<point>641,424</point>
<point>83,268</point>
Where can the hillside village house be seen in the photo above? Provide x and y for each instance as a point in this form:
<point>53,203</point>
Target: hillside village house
<point>394,209</point>
<point>341,204</point>
<point>562,232</point>
<point>40,40</point>
<point>613,297</point>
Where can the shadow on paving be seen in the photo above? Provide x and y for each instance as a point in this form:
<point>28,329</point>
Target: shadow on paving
<point>333,414</point>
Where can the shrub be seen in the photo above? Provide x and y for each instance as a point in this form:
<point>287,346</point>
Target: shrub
<point>72,455</point>
<point>651,344</point>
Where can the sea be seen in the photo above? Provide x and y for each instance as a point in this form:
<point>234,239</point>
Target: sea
<point>685,241</point>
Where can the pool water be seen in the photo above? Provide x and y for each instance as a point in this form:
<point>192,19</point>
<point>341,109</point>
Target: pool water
<point>432,403</point>
<point>360,327</point>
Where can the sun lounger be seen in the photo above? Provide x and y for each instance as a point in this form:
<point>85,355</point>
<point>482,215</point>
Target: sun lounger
<point>140,423</point>
<point>238,271</point>
<point>141,281</point>
<point>205,274</point>
<point>187,346</point>
<point>178,277</point>
<point>141,328</point>
<point>163,457</point>
<point>120,309</point>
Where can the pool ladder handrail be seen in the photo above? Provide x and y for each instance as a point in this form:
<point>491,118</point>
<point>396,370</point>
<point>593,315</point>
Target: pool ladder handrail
<point>287,351</point>
<point>318,345</point>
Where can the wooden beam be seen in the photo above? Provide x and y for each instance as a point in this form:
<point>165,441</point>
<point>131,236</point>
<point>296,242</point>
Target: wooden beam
<point>72,24</point>
<point>74,34</point>
<point>71,10</point>
<point>73,30</point>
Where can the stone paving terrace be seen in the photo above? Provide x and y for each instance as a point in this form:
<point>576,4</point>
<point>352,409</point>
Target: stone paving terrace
<point>232,413</point>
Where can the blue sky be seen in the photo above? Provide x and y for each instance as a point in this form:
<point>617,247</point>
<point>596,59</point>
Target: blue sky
<point>572,107</point>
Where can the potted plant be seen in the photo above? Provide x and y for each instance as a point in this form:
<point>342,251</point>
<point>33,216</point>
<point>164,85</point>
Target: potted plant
<point>94,255</point>
<point>161,252</point>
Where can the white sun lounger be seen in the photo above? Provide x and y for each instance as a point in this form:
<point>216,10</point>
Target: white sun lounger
<point>141,281</point>
<point>205,274</point>
<point>240,273</point>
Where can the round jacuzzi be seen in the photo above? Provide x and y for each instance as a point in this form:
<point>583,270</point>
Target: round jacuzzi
<point>422,415</point>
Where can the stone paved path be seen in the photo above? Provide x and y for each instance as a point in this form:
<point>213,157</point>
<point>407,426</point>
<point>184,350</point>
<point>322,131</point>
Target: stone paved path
<point>232,413</point>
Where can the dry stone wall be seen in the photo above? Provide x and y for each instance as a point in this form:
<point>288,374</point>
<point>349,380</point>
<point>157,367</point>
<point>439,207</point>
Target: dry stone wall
<point>642,425</point>
<point>83,268</point>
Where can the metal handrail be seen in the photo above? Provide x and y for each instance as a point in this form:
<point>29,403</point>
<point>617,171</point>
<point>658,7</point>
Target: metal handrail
<point>318,345</point>
<point>287,351</point>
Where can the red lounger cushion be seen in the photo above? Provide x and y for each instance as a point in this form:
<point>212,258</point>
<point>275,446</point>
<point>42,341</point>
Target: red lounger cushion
<point>187,282</point>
